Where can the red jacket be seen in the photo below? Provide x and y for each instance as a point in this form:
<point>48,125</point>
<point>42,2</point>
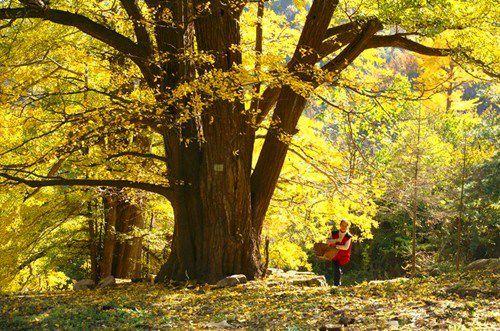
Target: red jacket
<point>343,256</point>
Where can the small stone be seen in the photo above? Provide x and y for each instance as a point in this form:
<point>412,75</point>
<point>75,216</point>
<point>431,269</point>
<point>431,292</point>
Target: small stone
<point>84,284</point>
<point>346,320</point>
<point>311,282</point>
<point>122,280</point>
<point>273,284</point>
<point>108,307</point>
<point>241,278</point>
<point>317,281</point>
<point>331,327</point>
<point>393,324</point>
<point>106,282</point>
<point>219,325</point>
<point>231,281</point>
<point>274,271</point>
<point>389,281</point>
<point>295,273</point>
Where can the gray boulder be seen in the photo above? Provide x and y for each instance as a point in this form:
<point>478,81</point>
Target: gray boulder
<point>232,281</point>
<point>84,284</point>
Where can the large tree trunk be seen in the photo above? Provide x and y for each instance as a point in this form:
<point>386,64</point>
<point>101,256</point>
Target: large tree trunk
<point>212,239</point>
<point>214,234</point>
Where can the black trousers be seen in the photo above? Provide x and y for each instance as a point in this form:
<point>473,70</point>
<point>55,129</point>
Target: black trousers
<point>337,273</point>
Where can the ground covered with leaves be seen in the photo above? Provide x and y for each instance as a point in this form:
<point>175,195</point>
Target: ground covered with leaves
<point>462,301</point>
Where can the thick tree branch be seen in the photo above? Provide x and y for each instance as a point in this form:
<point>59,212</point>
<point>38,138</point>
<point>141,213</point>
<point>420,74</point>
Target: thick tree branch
<point>399,41</point>
<point>138,154</point>
<point>137,53</point>
<point>354,49</point>
<point>288,110</point>
<point>339,36</point>
<point>82,23</point>
<point>289,107</point>
<point>334,39</point>
<point>307,52</point>
<point>268,99</point>
<point>134,12</point>
<point>258,52</point>
<point>53,170</point>
<point>342,28</point>
<point>117,183</point>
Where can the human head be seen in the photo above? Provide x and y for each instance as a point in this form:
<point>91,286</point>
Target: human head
<point>344,225</point>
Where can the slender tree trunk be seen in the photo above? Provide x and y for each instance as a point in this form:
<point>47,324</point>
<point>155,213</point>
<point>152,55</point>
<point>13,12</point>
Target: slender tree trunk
<point>93,246</point>
<point>415,199</point>
<point>461,204</point>
<point>110,215</point>
<point>148,252</point>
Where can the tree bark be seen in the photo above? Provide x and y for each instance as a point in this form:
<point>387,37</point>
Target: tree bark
<point>213,234</point>
<point>121,256</point>
<point>93,246</point>
<point>414,213</point>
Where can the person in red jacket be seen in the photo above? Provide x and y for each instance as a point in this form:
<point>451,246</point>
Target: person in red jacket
<point>337,250</point>
<point>341,240</point>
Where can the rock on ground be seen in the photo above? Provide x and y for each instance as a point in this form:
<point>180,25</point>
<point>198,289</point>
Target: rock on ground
<point>274,271</point>
<point>485,264</point>
<point>331,327</point>
<point>273,283</point>
<point>232,281</point>
<point>295,273</point>
<point>317,281</point>
<point>148,279</point>
<point>389,281</point>
<point>219,325</point>
<point>84,284</point>
<point>393,324</point>
<point>107,281</point>
<point>122,280</point>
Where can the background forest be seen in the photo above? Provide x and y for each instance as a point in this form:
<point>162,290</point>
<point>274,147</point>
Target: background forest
<point>406,145</point>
